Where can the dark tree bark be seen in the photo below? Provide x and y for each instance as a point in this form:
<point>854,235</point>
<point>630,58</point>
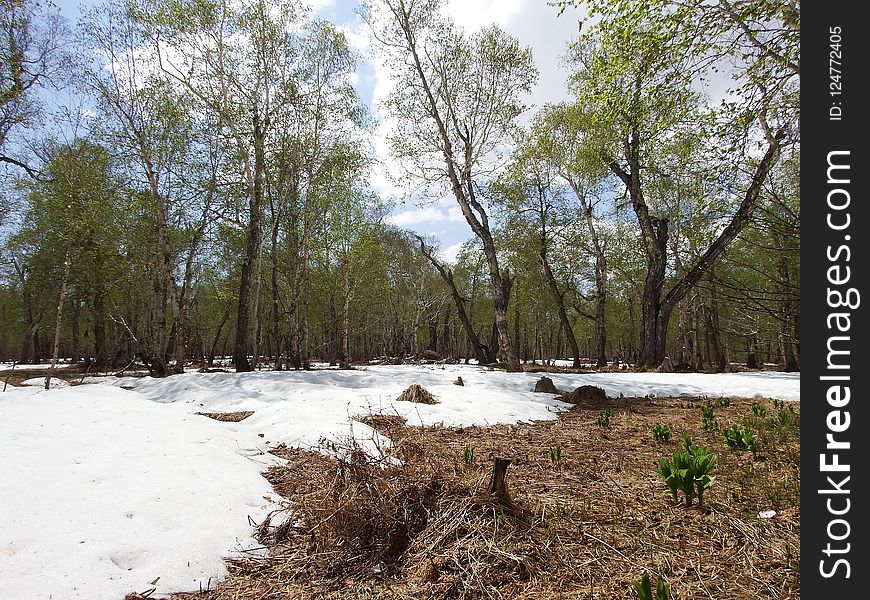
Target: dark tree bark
<point>656,311</point>
<point>497,488</point>
<point>718,360</point>
<point>252,247</point>
<point>752,352</point>
<point>217,336</point>
<point>76,330</point>
<point>182,320</point>
<point>559,299</point>
<point>789,360</point>
<point>447,275</point>
<point>99,316</point>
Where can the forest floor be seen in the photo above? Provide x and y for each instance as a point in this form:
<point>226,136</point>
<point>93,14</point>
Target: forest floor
<point>587,513</point>
<point>155,486</point>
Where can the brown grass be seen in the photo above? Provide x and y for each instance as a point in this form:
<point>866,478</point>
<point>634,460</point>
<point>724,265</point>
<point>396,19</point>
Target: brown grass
<point>585,525</point>
<point>417,393</point>
<point>233,417</point>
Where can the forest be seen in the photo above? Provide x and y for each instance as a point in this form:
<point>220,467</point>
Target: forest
<point>203,189</point>
<point>234,368</point>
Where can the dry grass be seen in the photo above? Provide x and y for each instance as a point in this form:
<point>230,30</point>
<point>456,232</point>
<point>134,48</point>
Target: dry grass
<point>233,417</point>
<point>417,393</point>
<point>590,514</point>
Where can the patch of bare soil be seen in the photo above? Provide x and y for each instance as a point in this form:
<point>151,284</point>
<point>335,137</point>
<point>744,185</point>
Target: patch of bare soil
<point>15,377</point>
<point>587,512</point>
<point>233,417</point>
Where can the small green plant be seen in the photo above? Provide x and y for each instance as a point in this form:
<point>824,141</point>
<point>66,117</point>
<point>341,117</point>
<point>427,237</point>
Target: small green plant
<point>468,454</point>
<point>723,402</point>
<point>644,589</point>
<point>779,404</point>
<point>739,437</point>
<point>604,418</point>
<point>759,410</point>
<point>689,472</point>
<point>708,419</point>
<point>555,453</point>
<point>686,439</point>
<point>787,418</point>
<point>661,432</point>
<point>786,422</point>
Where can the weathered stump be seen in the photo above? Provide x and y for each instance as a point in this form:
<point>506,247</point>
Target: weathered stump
<point>546,385</point>
<point>459,381</point>
<point>497,486</point>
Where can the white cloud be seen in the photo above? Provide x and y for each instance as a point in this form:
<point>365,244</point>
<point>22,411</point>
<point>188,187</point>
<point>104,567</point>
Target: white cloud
<point>423,215</point>
<point>450,253</point>
<point>454,214</point>
<point>474,14</point>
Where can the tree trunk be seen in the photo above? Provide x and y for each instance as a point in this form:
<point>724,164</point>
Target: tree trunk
<point>719,360</point>
<point>462,186</point>
<point>57,318</point>
<point>217,337</point>
<point>600,307</point>
<point>155,357</point>
<point>752,352</point>
<point>255,311</point>
<point>600,274</point>
<point>432,321</point>
<point>344,354</point>
<point>654,231</point>
<point>277,338</point>
<point>447,275</point>
<point>76,330</point>
<point>30,347</point>
<point>252,248</point>
<point>497,488</point>
<point>789,361</point>
<point>559,299</point>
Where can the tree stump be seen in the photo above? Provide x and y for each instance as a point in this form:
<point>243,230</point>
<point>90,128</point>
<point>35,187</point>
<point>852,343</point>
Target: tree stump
<point>459,381</point>
<point>546,385</point>
<point>497,486</point>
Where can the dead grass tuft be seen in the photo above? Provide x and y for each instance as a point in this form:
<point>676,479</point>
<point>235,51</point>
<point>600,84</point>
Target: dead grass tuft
<point>417,393</point>
<point>587,395</point>
<point>233,417</point>
<point>383,423</point>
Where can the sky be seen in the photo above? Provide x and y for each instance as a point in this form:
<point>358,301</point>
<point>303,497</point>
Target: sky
<point>533,22</point>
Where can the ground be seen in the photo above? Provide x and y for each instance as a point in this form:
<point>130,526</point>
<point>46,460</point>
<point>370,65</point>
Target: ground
<point>587,512</point>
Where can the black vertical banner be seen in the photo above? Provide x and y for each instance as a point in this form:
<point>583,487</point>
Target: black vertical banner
<point>835,227</point>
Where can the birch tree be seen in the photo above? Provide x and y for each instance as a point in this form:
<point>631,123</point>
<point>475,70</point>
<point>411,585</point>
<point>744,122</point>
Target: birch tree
<point>456,100</point>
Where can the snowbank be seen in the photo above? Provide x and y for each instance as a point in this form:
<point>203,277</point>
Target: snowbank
<point>104,492</point>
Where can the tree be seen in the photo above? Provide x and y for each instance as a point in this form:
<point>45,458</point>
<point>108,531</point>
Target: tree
<point>32,36</point>
<point>537,211</point>
<point>455,104</point>
<point>237,62</point>
<point>66,214</point>
<point>636,77</point>
<point>149,126</point>
<point>446,274</point>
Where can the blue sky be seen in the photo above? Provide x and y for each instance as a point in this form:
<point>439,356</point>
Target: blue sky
<point>533,22</point>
